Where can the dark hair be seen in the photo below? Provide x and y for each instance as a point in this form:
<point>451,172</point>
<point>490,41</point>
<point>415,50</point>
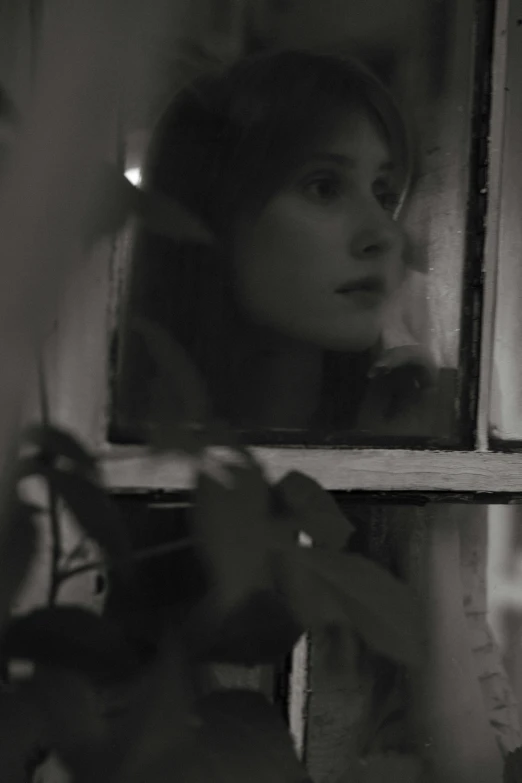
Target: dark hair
<point>223,146</point>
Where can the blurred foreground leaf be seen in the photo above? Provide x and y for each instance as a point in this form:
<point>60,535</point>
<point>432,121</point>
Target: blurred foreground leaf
<point>69,637</point>
<point>260,630</point>
<point>160,721</point>
<point>261,580</point>
<point>57,443</point>
<point>73,724</point>
<point>231,735</point>
<point>313,510</point>
<point>23,735</point>
<point>88,502</point>
<point>17,549</point>
<point>242,738</point>
<point>232,524</point>
<point>331,588</point>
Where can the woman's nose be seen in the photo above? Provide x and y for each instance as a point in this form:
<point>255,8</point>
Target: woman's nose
<point>377,238</point>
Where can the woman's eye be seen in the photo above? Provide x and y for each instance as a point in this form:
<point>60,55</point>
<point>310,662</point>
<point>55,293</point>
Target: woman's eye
<point>387,197</point>
<point>323,188</point>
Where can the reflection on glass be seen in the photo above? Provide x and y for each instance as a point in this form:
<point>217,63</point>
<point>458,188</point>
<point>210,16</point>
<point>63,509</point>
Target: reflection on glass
<point>311,311</point>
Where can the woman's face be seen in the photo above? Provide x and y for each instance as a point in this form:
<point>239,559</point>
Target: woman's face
<point>323,258</point>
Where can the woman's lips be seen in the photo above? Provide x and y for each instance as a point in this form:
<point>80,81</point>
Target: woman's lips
<point>365,292</point>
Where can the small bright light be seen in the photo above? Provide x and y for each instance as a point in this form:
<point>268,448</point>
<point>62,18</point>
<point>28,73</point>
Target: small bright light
<point>134,176</point>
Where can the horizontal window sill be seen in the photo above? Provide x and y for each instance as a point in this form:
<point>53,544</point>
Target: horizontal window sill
<point>127,468</point>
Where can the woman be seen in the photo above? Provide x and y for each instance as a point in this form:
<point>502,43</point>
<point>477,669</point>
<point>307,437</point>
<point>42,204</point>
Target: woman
<point>299,164</point>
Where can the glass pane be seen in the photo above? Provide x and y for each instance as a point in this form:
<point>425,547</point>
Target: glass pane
<point>328,307</point>
<point>506,398</point>
<point>363,705</point>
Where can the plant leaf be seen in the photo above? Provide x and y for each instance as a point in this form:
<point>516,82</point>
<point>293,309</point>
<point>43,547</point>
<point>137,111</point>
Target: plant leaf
<point>242,737</point>
<point>331,588</point>
<point>259,631</point>
<point>70,713</point>
<point>17,549</point>
<point>23,735</point>
<point>160,722</point>
<point>56,442</point>
<point>69,637</point>
<point>88,502</point>
<point>313,510</point>
<point>233,526</point>
<point>513,767</point>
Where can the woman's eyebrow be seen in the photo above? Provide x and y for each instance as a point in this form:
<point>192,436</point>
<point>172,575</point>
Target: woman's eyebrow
<point>346,160</point>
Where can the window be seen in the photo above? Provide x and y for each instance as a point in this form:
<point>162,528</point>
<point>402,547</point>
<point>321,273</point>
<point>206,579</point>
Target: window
<point>470,465</point>
<point>465,281</point>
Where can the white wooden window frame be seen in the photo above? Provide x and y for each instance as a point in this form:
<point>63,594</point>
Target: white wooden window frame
<point>80,364</point>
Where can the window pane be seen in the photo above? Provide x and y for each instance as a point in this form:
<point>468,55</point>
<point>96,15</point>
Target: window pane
<point>328,308</point>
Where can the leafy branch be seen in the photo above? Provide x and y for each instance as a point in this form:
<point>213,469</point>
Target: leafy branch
<point>264,591</point>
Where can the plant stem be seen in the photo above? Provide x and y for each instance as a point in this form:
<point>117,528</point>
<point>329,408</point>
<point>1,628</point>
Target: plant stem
<point>145,554</point>
<point>54,518</point>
